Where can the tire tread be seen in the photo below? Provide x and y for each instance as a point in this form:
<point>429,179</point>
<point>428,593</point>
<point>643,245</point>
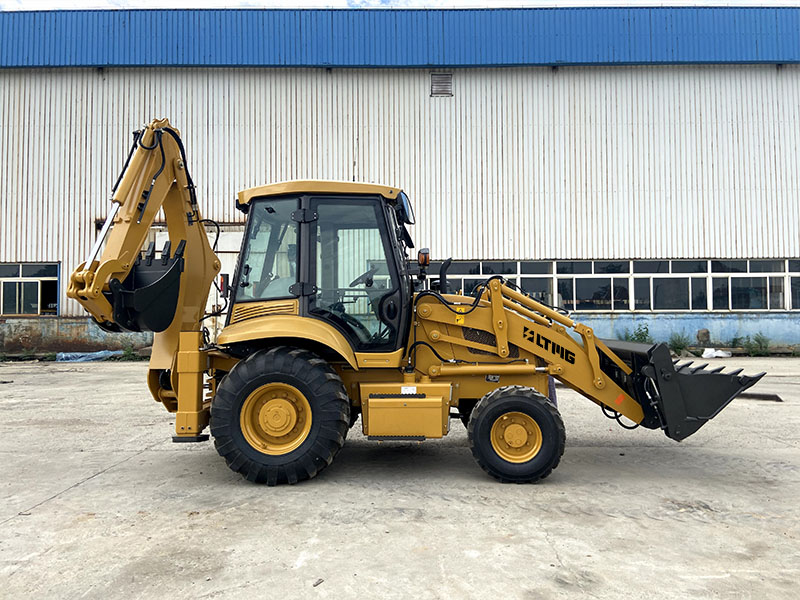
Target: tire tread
<point>484,405</point>
<point>329,402</point>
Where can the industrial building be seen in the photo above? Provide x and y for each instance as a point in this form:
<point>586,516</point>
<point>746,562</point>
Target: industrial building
<point>634,165</point>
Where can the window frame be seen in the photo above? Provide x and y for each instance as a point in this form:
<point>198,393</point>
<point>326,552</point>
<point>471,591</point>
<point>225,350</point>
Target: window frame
<point>236,298</point>
<point>29,279</point>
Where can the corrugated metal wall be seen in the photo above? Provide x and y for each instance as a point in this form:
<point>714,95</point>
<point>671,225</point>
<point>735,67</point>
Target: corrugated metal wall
<point>600,162</point>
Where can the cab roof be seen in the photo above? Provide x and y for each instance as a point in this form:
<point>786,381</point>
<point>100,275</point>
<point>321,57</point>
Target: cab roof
<point>314,186</point>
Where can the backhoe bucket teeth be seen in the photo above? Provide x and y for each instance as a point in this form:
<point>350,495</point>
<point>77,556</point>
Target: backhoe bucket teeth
<point>678,398</point>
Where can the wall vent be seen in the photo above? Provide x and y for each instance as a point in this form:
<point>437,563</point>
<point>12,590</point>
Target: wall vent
<point>441,84</point>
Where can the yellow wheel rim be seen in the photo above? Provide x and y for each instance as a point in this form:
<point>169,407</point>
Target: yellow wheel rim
<point>516,437</point>
<point>275,418</point>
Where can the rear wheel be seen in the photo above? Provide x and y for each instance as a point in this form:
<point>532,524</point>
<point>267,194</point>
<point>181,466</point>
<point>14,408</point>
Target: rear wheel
<point>516,435</point>
<point>280,416</point>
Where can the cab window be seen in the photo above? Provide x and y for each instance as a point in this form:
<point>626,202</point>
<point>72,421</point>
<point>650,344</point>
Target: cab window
<point>269,252</point>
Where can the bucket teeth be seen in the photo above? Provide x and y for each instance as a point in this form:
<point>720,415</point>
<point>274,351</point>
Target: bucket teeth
<point>734,373</point>
<point>717,370</point>
<point>746,379</point>
<point>700,368</point>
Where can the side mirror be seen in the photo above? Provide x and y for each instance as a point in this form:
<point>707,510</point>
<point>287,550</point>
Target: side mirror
<point>424,257</point>
<point>405,210</point>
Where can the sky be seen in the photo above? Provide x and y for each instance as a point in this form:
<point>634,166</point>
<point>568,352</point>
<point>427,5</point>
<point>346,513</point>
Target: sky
<point>11,5</point>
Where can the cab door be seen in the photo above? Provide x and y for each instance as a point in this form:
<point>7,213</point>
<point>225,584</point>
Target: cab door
<point>357,285</point>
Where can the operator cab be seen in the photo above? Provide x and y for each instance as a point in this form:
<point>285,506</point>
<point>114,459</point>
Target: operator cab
<point>338,249</point>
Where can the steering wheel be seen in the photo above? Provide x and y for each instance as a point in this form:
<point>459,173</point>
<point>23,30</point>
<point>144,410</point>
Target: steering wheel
<point>337,312</point>
<point>364,277</point>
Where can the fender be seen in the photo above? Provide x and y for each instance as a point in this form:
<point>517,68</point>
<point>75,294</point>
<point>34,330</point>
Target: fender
<point>289,326</point>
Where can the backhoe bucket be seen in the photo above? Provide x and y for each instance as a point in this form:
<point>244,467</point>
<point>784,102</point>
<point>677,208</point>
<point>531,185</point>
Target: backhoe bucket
<point>147,299</point>
<point>678,398</point>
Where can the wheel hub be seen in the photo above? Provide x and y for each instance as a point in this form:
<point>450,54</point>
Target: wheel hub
<point>516,437</point>
<point>275,418</point>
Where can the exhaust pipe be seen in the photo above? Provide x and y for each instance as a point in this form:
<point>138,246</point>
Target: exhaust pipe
<point>677,398</point>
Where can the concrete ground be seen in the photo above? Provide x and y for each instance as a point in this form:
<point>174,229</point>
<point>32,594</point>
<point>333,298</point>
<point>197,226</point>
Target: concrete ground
<point>97,502</point>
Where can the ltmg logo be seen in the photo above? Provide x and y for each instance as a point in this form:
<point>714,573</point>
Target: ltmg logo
<point>548,345</point>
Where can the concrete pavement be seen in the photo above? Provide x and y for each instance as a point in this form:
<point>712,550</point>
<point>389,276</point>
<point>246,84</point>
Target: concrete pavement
<point>97,502</point>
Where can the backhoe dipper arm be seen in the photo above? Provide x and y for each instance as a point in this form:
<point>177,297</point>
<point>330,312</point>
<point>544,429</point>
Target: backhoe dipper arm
<point>166,294</point>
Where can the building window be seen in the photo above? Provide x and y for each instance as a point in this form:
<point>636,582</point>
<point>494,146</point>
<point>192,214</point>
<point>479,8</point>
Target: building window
<point>766,266</point>
<point>536,267</point>
<point>670,294</point>
<point>641,294</point>
<point>539,288</point>
<point>607,266</point>
<point>651,266</point>
<point>795,291</point>
<point>593,294</point>
<point>499,268</point>
<point>690,266</point>
<point>776,297</point>
<point>728,266</point>
<point>748,293</point>
<point>699,294</point>
<point>28,289</point>
<point>679,285</point>
<point>566,294</point>
<point>572,267</point>
<point>720,294</point>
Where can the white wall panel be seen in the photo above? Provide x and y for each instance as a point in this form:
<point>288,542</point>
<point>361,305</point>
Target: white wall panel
<point>591,162</point>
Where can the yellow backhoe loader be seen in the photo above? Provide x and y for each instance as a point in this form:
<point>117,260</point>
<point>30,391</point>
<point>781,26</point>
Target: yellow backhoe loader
<point>328,320</point>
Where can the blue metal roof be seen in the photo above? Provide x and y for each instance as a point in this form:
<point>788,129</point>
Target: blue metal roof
<point>399,38</point>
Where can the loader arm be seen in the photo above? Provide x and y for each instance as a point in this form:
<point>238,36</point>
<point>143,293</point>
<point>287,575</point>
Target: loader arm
<point>638,381</point>
<point>162,292</point>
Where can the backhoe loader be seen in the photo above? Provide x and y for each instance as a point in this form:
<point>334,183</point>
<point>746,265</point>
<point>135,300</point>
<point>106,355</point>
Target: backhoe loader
<point>329,320</point>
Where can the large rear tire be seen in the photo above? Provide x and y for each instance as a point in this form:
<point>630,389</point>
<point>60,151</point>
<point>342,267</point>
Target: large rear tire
<point>516,435</point>
<point>280,416</point>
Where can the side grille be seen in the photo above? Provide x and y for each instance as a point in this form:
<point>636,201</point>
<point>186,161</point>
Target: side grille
<point>480,336</point>
<point>242,312</point>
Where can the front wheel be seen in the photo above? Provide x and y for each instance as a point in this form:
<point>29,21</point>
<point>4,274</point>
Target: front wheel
<point>280,416</point>
<point>516,434</point>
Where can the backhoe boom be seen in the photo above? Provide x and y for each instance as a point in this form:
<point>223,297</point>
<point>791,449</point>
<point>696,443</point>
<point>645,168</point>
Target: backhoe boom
<point>166,294</point>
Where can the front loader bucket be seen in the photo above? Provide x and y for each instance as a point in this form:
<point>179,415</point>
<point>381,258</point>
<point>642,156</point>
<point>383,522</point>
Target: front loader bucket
<point>678,398</point>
